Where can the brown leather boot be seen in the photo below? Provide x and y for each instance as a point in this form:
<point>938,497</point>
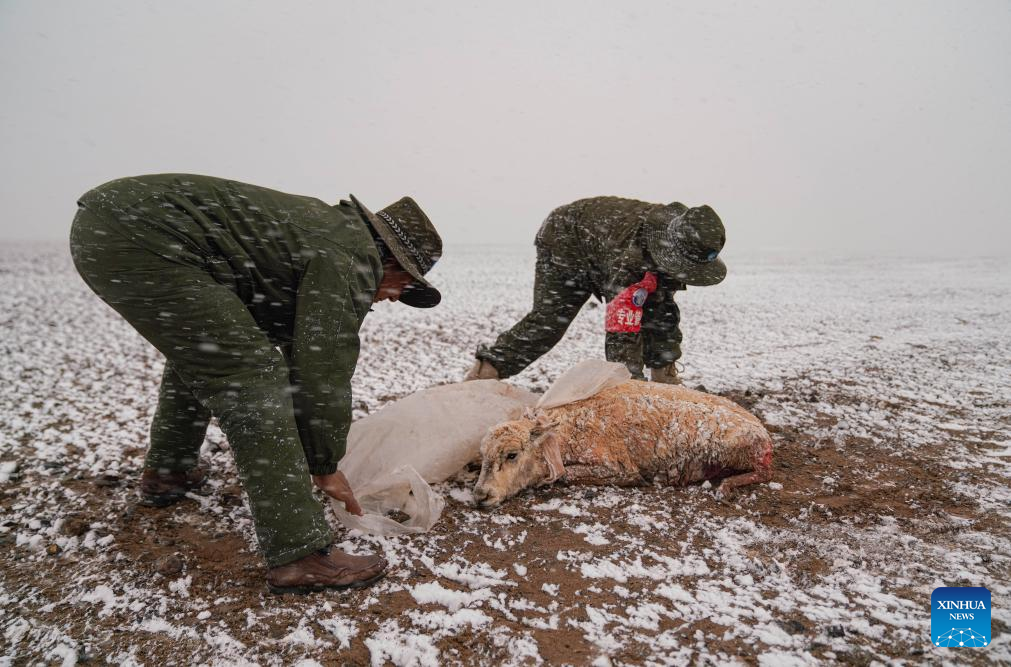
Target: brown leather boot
<point>665,375</point>
<point>326,568</point>
<point>161,489</point>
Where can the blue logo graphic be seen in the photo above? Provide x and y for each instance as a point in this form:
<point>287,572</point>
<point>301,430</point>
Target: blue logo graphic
<point>960,617</point>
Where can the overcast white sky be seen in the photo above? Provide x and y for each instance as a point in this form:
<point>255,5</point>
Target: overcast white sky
<point>868,127</point>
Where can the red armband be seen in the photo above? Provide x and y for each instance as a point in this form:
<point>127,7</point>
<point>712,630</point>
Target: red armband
<point>624,312</point>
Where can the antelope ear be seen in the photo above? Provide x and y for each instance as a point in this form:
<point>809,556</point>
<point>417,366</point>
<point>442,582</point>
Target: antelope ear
<point>545,422</point>
<point>553,456</point>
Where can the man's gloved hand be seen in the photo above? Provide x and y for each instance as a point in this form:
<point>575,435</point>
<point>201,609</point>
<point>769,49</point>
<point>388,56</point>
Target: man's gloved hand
<point>481,370</point>
<point>666,374</point>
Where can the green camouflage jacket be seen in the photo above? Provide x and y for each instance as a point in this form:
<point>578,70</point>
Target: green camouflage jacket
<point>306,271</point>
<point>600,240</point>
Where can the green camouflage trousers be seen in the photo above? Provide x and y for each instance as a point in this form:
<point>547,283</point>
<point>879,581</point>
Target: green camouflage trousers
<point>559,292</point>
<point>190,318</point>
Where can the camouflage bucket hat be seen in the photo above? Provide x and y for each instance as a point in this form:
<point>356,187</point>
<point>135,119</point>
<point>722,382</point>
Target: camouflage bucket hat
<point>686,242</point>
<point>411,237</point>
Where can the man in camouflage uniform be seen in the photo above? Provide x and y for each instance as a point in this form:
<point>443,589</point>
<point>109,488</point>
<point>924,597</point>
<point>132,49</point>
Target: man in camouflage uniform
<point>255,297</point>
<point>633,254</point>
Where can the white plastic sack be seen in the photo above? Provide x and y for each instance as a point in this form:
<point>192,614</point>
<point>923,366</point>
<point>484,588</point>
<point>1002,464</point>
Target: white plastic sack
<point>426,437</point>
<point>585,379</point>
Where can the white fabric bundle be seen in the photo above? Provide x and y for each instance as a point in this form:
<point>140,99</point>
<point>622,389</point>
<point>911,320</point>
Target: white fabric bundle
<point>424,438</point>
<point>431,435</point>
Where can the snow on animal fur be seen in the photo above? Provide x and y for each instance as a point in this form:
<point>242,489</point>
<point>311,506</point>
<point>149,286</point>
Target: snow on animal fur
<point>627,435</point>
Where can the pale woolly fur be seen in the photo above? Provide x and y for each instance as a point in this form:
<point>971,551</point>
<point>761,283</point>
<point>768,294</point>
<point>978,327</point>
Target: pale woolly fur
<point>628,435</point>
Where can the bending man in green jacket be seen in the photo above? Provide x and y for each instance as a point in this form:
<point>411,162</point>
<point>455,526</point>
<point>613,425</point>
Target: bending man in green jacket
<point>633,254</point>
<point>255,297</point>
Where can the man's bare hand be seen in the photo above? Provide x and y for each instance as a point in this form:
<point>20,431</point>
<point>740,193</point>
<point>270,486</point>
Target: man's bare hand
<point>336,486</point>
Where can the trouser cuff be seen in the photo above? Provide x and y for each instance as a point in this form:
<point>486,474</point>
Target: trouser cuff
<point>319,539</point>
<point>171,463</point>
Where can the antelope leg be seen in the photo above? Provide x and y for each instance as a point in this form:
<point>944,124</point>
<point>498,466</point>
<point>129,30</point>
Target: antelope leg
<point>744,479</point>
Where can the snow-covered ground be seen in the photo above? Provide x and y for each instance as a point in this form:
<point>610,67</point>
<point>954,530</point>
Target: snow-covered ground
<point>886,385</point>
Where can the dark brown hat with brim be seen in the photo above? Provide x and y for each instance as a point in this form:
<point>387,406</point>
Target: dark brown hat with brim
<point>411,237</point>
<point>686,242</point>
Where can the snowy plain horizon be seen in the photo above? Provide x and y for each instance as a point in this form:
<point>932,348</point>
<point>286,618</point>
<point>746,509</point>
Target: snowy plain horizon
<point>730,254</point>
